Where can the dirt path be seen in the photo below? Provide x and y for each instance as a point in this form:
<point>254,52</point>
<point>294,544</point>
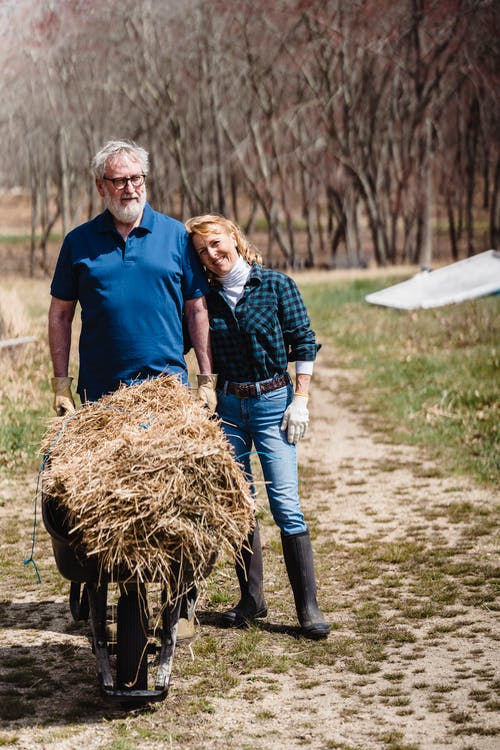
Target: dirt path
<point>406,565</point>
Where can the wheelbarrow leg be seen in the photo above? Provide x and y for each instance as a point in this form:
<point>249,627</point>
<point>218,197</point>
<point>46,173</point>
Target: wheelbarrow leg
<point>79,605</point>
<point>98,602</point>
<point>170,622</point>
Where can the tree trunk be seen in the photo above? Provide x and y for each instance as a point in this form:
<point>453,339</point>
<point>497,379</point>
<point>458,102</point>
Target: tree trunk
<point>452,229</point>
<point>470,168</point>
<point>34,223</point>
<point>426,249</point>
<point>495,210</point>
<point>64,182</point>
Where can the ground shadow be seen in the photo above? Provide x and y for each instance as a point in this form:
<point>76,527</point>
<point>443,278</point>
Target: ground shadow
<point>47,615</point>
<point>48,683</point>
<point>214,618</point>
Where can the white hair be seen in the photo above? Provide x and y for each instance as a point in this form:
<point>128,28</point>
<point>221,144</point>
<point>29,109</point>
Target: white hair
<point>116,148</point>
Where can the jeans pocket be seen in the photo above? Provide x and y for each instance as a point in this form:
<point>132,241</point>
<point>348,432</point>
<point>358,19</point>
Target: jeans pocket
<point>277,397</point>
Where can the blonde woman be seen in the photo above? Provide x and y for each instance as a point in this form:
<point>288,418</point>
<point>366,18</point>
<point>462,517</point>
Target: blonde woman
<point>258,324</point>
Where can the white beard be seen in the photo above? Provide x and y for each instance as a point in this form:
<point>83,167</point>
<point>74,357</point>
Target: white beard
<point>126,213</point>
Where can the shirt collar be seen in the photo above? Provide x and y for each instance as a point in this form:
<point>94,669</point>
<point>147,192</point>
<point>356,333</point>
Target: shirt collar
<point>256,274</point>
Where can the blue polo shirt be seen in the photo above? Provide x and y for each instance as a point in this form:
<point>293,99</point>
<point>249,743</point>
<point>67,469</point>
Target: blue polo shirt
<point>132,296</point>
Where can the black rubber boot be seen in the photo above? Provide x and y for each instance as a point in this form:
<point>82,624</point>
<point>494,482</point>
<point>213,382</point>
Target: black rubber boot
<point>298,555</point>
<point>250,576</point>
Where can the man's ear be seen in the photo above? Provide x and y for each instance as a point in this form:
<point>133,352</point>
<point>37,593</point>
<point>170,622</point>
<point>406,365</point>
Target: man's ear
<point>99,186</point>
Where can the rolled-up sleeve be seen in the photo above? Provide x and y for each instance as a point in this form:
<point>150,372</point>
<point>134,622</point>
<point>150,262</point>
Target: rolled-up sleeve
<point>299,337</point>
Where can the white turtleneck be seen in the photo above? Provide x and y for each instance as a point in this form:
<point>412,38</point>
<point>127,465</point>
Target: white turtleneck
<point>233,284</point>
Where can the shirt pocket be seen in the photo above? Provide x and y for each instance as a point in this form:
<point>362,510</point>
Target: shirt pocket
<point>261,318</point>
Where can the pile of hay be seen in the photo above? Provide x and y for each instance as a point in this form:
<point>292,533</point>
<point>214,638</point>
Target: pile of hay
<point>148,483</point>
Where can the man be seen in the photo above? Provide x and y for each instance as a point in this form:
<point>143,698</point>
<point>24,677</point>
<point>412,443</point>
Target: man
<point>135,275</point>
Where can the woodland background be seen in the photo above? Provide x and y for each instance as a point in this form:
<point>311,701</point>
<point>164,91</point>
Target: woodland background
<point>339,132</point>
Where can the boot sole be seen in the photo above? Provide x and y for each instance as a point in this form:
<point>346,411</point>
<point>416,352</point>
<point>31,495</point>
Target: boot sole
<point>316,634</point>
<point>238,620</point>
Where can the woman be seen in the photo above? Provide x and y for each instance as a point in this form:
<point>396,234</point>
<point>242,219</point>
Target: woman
<point>258,322</point>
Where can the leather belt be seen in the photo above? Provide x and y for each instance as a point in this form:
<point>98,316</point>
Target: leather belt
<point>252,390</point>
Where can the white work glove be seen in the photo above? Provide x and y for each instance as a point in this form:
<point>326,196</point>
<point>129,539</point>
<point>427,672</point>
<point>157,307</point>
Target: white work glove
<point>296,418</point>
<point>206,391</point>
<point>63,398</point>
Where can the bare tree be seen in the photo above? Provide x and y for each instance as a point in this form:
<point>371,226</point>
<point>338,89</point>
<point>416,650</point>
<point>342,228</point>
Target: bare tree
<point>342,123</point>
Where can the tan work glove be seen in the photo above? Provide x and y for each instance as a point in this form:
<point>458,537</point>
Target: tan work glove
<point>206,391</point>
<point>296,418</point>
<point>63,399</point>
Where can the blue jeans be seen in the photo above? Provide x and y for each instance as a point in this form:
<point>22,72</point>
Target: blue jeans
<point>257,420</point>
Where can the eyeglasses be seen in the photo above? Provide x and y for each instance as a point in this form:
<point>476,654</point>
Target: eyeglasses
<point>119,183</point>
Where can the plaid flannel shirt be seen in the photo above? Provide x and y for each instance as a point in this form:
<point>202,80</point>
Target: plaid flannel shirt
<point>269,327</point>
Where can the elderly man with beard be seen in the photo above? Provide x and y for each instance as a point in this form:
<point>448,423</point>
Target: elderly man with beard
<point>136,276</point>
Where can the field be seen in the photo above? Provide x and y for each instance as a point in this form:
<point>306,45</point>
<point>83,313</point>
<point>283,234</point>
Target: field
<point>399,476</point>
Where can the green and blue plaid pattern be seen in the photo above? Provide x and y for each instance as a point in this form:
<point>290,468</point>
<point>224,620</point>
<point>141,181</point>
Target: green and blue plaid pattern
<point>269,328</point>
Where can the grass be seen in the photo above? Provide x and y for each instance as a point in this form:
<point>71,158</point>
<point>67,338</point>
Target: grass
<point>25,393</point>
<point>427,377</point>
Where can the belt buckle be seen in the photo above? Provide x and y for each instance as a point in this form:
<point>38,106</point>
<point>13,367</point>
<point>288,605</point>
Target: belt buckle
<point>244,391</point>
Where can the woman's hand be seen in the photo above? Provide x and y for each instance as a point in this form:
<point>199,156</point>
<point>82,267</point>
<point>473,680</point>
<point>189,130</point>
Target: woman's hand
<point>296,418</point>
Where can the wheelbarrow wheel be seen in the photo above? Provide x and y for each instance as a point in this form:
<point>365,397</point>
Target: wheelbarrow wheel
<point>131,642</point>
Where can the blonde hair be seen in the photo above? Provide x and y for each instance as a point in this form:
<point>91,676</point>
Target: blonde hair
<point>205,224</point>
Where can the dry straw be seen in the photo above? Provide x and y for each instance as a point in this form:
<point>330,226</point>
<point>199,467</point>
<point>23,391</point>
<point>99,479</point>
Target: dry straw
<point>148,483</point>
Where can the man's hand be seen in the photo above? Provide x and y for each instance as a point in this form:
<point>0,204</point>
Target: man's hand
<point>63,398</point>
<point>296,419</point>
<point>206,391</point>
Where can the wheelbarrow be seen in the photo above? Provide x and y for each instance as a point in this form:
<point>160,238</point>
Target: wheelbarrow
<point>134,643</point>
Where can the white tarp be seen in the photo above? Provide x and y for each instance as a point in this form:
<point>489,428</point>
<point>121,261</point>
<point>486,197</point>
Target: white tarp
<point>473,277</point>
